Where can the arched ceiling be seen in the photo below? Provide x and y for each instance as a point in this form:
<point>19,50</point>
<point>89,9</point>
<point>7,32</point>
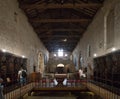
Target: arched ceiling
<point>60,23</point>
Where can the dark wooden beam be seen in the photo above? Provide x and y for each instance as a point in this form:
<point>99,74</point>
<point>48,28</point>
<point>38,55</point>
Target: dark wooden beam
<point>55,6</point>
<point>42,30</point>
<point>45,41</point>
<point>66,25</point>
<point>55,48</point>
<point>57,45</point>
<point>37,20</point>
<point>60,36</point>
<point>60,44</point>
<point>69,49</point>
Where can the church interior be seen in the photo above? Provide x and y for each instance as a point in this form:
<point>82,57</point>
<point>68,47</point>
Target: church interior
<point>69,49</point>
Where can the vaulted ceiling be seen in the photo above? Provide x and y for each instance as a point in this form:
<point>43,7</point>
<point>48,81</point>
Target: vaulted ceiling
<point>60,24</point>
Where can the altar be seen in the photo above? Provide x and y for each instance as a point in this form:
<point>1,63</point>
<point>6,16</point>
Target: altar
<point>60,78</point>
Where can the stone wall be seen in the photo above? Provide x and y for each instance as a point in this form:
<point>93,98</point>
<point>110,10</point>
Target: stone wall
<point>95,41</point>
<point>17,35</point>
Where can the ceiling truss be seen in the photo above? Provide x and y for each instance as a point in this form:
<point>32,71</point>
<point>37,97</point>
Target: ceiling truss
<point>60,23</point>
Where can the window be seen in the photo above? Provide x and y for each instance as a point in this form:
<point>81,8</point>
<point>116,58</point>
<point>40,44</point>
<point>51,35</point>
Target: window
<point>60,53</point>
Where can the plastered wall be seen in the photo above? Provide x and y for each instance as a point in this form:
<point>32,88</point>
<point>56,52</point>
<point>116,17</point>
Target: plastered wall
<point>96,35</point>
<point>17,36</point>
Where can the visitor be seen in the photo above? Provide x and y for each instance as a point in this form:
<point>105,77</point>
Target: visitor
<point>1,88</point>
<point>22,76</point>
<point>81,74</point>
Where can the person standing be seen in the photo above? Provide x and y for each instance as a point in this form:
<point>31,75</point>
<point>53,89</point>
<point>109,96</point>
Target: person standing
<point>22,76</point>
<point>1,88</point>
<point>81,74</point>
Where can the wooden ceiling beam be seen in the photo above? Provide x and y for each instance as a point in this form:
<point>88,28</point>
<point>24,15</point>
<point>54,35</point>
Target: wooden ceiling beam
<point>84,12</point>
<point>63,26</point>
<point>55,6</point>
<point>37,20</point>
<point>60,46</point>
<point>59,41</point>
<point>65,49</point>
<point>57,45</point>
<point>59,36</point>
<point>55,30</point>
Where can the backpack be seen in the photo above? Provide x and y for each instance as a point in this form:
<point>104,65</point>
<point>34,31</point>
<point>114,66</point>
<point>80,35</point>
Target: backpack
<point>24,74</point>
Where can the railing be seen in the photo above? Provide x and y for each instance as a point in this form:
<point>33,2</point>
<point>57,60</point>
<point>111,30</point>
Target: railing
<point>111,85</point>
<point>102,92</point>
<point>16,91</point>
<point>53,82</point>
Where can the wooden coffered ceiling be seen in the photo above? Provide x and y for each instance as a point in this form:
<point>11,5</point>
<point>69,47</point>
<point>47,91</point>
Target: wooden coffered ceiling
<point>60,24</point>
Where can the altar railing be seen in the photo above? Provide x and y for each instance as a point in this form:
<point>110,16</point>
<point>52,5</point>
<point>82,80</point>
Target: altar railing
<point>45,82</point>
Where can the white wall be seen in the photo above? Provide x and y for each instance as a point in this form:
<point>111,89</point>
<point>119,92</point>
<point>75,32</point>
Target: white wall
<point>95,35</point>
<point>16,34</point>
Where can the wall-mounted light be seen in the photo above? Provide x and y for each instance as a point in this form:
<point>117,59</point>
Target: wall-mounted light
<point>65,40</point>
<point>55,55</point>
<point>23,56</point>
<point>66,55</point>
<point>94,54</point>
<point>113,49</point>
<point>4,50</point>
